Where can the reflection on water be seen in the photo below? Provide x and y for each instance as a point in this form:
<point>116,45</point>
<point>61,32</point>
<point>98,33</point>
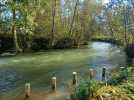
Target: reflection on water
<point>38,68</point>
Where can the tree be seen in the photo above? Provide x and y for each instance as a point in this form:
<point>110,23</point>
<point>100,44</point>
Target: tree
<point>53,21</point>
<point>74,14</point>
<point>12,4</point>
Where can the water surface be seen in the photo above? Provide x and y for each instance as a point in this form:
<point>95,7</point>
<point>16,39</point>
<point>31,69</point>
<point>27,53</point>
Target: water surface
<point>38,68</point>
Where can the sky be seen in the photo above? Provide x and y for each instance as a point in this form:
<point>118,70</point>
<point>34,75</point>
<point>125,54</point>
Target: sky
<point>106,1</point>
<point>102,1</point>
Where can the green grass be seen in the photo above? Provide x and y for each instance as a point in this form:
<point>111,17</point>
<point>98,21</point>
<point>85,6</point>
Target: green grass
<point>120,85</point>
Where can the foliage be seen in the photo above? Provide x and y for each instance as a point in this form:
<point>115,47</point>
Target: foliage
<point>117,20</point>
<point>112,93</point>
<point>40,44</point>
<point>119,86</point>
<point>85,90</point>
<point>118,77</point>
<point>72,19</point>
<point>28,19</point>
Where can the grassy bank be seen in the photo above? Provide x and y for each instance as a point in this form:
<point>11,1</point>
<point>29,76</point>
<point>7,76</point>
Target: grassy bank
<point>119,86</point>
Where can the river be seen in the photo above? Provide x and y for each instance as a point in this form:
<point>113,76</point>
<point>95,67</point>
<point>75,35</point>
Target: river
<point>38,68</point>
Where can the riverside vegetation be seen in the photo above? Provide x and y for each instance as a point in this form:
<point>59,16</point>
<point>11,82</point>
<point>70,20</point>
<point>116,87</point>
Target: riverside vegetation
<point>119,86</point>
<point>38,25</point>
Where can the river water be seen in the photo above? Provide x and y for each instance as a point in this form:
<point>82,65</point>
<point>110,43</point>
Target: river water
<point>38,68</point>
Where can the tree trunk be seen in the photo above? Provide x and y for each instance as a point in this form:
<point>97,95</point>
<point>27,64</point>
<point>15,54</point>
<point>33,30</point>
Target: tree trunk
<point>53,22</point>
<point>71,26</point>
<point>125,26</point>
<point>14,32</point>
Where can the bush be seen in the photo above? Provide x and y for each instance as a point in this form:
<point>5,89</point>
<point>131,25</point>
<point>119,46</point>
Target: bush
<point>86,90</point>
<point>119,87</point>
<point>6,44</point>
<point>40,44</point>
<point>111,93</point>
<point>129,51</point>
<point>65,42</point>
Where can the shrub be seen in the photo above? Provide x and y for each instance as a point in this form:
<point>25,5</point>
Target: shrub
<point>40,44</point>
<point>85,90</point>
<point>65,42</point>
<point>6,44</point>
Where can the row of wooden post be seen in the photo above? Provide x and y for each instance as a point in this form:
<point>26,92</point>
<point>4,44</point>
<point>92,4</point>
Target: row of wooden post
<point>74,81</point>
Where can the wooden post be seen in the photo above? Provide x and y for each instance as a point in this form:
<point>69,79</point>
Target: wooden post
<point>68,98</point>
<point>133,60</point>
<point>74,78</point>
<point>53,83</point>
<point>122,68</point>
<point>91,73</point>
<point>103,74</point>
<point>27,90</point>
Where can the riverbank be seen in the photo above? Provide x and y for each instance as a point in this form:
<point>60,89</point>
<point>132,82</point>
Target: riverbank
<point>37,44</point>
<point>120,86</point>
<point>129,49</point>
<point>107,39</point>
